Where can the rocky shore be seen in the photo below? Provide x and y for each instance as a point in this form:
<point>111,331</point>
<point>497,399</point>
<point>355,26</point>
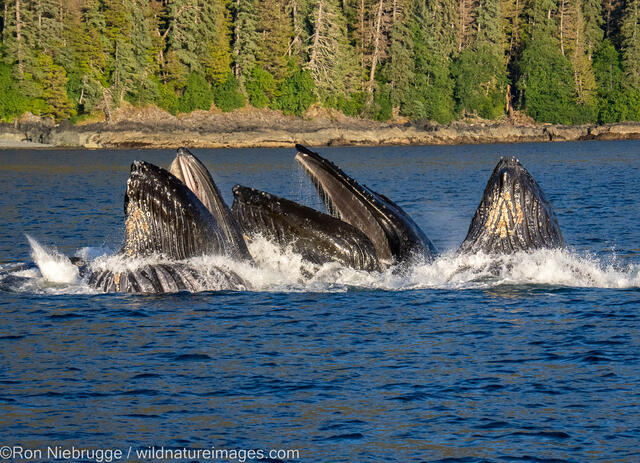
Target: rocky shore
<point>153,128</point>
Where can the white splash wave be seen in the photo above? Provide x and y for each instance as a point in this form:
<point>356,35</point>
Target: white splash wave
<point>54,267</point>
<point>281,269</point>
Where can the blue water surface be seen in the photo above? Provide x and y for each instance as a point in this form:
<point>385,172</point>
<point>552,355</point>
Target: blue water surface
<point>520,371</point>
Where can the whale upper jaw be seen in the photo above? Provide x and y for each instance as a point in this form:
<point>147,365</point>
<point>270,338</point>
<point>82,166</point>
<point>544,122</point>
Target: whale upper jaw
<point>513,214</point>
<point>192,172</point>
<point>395,236</point>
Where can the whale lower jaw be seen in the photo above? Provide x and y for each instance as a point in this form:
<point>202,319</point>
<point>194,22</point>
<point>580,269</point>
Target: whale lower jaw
<point>513,215</point>
<point>319,238</point>
<point>164,218</point>
<point>165,278</point>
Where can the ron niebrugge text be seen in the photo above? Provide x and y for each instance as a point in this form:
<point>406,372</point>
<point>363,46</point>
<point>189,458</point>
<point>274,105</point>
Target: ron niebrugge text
<point>152,453</point>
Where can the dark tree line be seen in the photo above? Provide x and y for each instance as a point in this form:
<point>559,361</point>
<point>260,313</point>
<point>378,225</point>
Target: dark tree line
<point>561,61</point>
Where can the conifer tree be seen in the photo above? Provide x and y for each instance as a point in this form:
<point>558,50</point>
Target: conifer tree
<point>435,40</point>
<point>611,102</point>
<point>199,40</point>
<point>546,76</point>
<point>480,70</point>
<point>630,32</point>
<point>245,39</point>
<point>274,32</point>
<point>399,70</point>
<point>331,59</point>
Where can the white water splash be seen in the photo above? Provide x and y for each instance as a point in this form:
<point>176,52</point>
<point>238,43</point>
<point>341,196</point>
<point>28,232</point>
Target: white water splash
<point>278,269</point>
<point>54,267</point>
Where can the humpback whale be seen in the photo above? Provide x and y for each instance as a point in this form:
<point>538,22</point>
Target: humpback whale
<point>513,214</point>
<point>397,239</point>
<point>180,214</point>
<point>318,237</point>
<point>164,218</point>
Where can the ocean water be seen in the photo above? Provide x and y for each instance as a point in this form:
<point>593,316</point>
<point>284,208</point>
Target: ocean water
<point>532,357</point>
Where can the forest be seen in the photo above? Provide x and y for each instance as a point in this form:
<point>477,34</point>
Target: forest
<point>558,61</point>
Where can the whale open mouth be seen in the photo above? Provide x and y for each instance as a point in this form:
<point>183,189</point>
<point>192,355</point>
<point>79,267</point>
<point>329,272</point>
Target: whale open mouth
<point>513,214</point>
<point>395,236</point>
<point>192,172</point>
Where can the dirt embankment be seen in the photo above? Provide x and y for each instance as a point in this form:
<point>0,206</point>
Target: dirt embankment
<point>152,128</point>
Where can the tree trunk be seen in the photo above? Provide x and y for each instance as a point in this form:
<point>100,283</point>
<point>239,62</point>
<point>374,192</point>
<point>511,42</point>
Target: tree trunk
<point>236,50</point>
<point>376,46</point>
<point>316,36</point>
<point>19,37</point>
<point>296,28</point>
<point>562,3</point>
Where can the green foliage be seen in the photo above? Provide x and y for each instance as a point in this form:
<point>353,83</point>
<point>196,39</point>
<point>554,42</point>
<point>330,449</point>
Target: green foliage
<point>227,95</point>
<point>430,95</point>
<point>197,94</point>
<point>274,30</point>
<point>57,103</point>
<point>245,39</point>
<point>332,60</point>
<point>167,98</point>
<point>353,105</point>
<point>12,102</point>
<point>611,100</point>
<point>480,82</point>
<point>296,93</point>
<point>633,104</point>
<point>382,107</point>
<point>630,32</point>
<point>433,60</point>
<point>547,82</point>
<point>260,87</point>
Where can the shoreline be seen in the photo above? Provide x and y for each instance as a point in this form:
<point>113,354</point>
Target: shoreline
<point>268,129</point>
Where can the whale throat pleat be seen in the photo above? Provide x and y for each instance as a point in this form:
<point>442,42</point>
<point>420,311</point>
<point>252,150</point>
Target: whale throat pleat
<point>164,217</point>
<point>513,214</point>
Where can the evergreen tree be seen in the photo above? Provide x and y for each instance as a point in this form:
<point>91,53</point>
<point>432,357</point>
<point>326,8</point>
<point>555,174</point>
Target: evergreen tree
<point>399,70</point>
<point>245,39</point>
<point>630,32</point>
<point>13,103</point>
<point>479,70</point>
<point>547,81</point>
<point>569,60</point>
<point>579,28</point>
<point>611,102</point>
<point>57,103</point>
<point>129,63</point>
<point>434,41</point>
<point>84,34</point>
<point>199,40</point>
<point>546,76</point>
<point>274,31</point>
<point>331,59</point>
